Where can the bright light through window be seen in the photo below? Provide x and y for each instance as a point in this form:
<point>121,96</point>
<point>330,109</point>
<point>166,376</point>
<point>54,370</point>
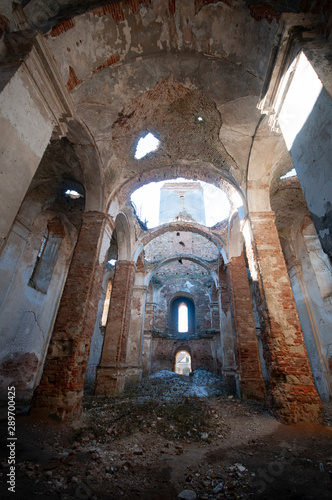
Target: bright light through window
<point>71,193</point>
<point>291,173</point>
<point>183,318</point>
<point>146,145</point>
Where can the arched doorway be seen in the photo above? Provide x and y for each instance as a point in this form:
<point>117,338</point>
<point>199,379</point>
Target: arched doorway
<point>182,363</point>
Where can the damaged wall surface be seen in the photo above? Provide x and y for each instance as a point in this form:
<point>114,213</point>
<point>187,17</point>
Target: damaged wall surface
<point>238,93</point>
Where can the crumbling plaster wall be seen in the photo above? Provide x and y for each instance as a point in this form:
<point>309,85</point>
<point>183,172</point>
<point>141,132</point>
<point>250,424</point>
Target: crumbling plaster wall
<point>118,54</point>
<point>27,315</point>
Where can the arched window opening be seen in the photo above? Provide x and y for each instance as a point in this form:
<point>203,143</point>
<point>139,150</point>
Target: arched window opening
<point>182,318</point>
<point>47,256</point>
<point>183,363</point>
<point>106,304</point>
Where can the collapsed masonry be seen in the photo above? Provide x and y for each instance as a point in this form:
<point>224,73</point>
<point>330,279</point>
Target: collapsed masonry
<point>75,98</point>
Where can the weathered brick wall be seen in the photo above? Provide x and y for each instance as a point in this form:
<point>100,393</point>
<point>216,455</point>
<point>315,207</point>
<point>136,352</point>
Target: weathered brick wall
<point>203,354</point>
<point>117,330</point>
<point>181,242</point>
<point>250,372</point>
<point>60,391</point>
<point>294,397</point>
<point>199,292</point>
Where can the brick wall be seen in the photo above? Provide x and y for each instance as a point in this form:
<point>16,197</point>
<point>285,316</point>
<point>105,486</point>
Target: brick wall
<point>60,391</point>
<point>294,397</point>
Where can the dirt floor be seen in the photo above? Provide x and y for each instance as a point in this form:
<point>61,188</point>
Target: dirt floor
<point>170,435</point>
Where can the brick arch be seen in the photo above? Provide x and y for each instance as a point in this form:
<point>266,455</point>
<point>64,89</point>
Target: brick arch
<point>175,226</point>
<point>198,171</point>
<point>87,152</point>
<point>184,348</point>
<point>192,258</point>
<point>123,237</point>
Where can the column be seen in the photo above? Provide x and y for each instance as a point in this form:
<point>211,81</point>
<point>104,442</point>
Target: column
<point>60,391</point>
<point>249,367</point>
<point>147,340</point>
<point>135,340</point>
<point>230,377</point>
<point>112,369</point>
<point>294,397</point>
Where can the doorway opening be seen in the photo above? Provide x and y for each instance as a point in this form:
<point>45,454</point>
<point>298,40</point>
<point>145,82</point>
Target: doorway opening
<point>183,363</point>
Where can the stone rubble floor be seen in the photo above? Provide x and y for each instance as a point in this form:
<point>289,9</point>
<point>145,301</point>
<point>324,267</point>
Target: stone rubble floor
<point>170,434</point>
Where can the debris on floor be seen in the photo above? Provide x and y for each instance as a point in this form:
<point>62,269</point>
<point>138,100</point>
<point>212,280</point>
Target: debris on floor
<point>157,443</point>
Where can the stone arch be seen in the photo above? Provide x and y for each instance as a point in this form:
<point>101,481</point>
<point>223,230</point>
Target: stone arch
<point>194,228</point>
<point>87,151</point>
<point>177,352</point>
<point>267,151</point>
<point>123,237</point>
<point>196,170</point>
<point>192,258</point>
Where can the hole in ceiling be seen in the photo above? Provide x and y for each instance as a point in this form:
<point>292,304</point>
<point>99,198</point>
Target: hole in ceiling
<point>146,145</point>
<point>73,194</point>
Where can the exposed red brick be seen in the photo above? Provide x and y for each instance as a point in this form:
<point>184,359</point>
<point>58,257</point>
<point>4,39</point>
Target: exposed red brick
<point>21,368</point>
<point>287,360</point>
<point>171,7</point>
<point>60,391</point>
<point>111,60</point>
<point>117,329</point>
<point>113,9</point>
<point>61,28</point>
<point>263,10</point>
<point>116,10</point>
<point>72,80</point>
<point>251,380</point>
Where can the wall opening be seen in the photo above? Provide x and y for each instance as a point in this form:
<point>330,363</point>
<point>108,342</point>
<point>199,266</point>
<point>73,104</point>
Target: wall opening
<point>182,317</point>
<point>183,363</point>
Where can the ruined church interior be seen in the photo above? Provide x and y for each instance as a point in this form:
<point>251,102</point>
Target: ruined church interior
<point>207,250</point>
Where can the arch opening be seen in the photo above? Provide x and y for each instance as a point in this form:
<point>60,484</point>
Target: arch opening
<point>182,363</point>
<point>180,199</point>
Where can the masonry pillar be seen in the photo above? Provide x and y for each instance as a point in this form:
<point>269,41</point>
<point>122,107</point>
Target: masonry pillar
<point>135,339</point>
<point>111,372</point>
<point>60,391</point>
<point>147,340</point>
<point>214,309</point>
<point>250,372</point>
<point>230,377</point>
<point>294,397</point>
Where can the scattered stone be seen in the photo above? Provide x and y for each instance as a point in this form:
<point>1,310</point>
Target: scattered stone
<point>187,495</point>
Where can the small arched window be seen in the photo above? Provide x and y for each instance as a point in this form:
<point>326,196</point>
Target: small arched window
<point>182,318</point>
<point>47,256</point>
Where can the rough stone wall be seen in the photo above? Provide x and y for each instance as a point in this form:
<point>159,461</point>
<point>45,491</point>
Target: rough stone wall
<point>181,242</point>
<point>189,285</point>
